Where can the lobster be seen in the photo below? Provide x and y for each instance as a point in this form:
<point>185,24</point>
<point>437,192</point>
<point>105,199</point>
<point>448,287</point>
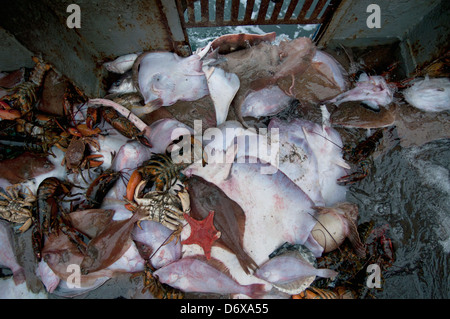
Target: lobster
<point>359,156</point>
<point>122,124</point>
<point>50,220</point>
<point>25,95</point>
<point>317,293</point>
<point>155,287</point>
<point>98,189</point>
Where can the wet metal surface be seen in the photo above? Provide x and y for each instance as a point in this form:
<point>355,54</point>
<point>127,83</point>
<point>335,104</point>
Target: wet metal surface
<point>108,30</point>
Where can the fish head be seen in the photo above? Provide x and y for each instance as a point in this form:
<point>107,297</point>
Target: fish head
<point>156,76</point>
<point>123,85</point>
<point>160,86</point>
<point>166,77</point>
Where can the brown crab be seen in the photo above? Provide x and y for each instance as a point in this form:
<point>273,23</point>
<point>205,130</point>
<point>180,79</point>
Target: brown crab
<point>17,209</point>
<point>163,207</point>
<point>76,159</point>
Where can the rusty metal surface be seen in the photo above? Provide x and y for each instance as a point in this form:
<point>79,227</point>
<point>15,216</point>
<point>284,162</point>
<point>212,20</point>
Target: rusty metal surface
<point>108,29</point>
<point>421,26</point>
<point>310,12</point>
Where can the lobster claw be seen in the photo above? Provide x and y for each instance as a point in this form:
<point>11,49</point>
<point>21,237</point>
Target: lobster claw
<point>92,117</point>
<point>7,113</point>
<point>10,114</point>
<point>134,181</point>
<point>144,141</point>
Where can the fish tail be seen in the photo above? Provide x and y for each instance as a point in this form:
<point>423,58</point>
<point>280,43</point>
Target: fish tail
<point>256,291</point>
<point>358,246</point>
<point>326,273</point>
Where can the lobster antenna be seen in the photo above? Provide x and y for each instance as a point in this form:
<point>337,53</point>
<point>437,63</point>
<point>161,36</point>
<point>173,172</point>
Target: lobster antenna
<point>164,242</point>
<point>328,139</point>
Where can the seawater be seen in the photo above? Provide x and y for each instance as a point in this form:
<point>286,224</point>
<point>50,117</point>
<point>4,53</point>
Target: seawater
<point>199,37</point>
<point>408,190</point>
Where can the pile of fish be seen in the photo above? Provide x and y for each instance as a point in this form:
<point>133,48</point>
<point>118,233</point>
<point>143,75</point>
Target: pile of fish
<point>240,202</point>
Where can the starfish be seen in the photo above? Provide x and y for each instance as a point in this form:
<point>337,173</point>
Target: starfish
<point>203,233</point>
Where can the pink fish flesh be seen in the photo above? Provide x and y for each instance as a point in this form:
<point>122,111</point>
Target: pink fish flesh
<point>48,277</point>
<point>373,91</point>
<point>334,69</point>
<point>169,78</point>
<point>326,145</point>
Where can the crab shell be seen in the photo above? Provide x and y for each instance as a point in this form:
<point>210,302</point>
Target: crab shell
<point>165,208</point>
<point>16,209</point>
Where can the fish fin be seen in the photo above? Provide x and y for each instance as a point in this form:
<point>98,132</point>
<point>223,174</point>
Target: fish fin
<point>19,276</point>
<point>350,213</point>
<point>237,106</point>
<point>202,53</point>
<point>295,286</point>
<point>135,71</point>
<point>371,105</point>
<point>216,263</point>
<point>208,71</point>
<point>326,273</point>
<point>353,237</point>
<point>256,291</point>
<point>153,106</point>
<point>339,161</point>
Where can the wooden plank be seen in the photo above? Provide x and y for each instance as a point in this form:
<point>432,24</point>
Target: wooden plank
<point>205,10</point>
<point>235,10</point>
<point>248,12</point>
<point>190,10</point>
<point>276,12</point>
<point>290,10</point>
<point>261,14</point>
<point>318,9</point>
<point>220,7</point>
<point>301,16</point>
<point>262,11</point>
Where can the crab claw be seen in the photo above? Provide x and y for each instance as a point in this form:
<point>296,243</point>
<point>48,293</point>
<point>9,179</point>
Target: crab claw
<point>7,113</point>
<point>92,117</point>
<point>10,114</point>
<point>93,162</point>
<point>144,141</point>
<point>134,181</point>
<point>85,130</point>
<point>75,132</point>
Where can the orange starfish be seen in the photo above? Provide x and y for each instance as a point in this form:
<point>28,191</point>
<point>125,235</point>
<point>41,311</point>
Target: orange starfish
<point>203,233</point>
